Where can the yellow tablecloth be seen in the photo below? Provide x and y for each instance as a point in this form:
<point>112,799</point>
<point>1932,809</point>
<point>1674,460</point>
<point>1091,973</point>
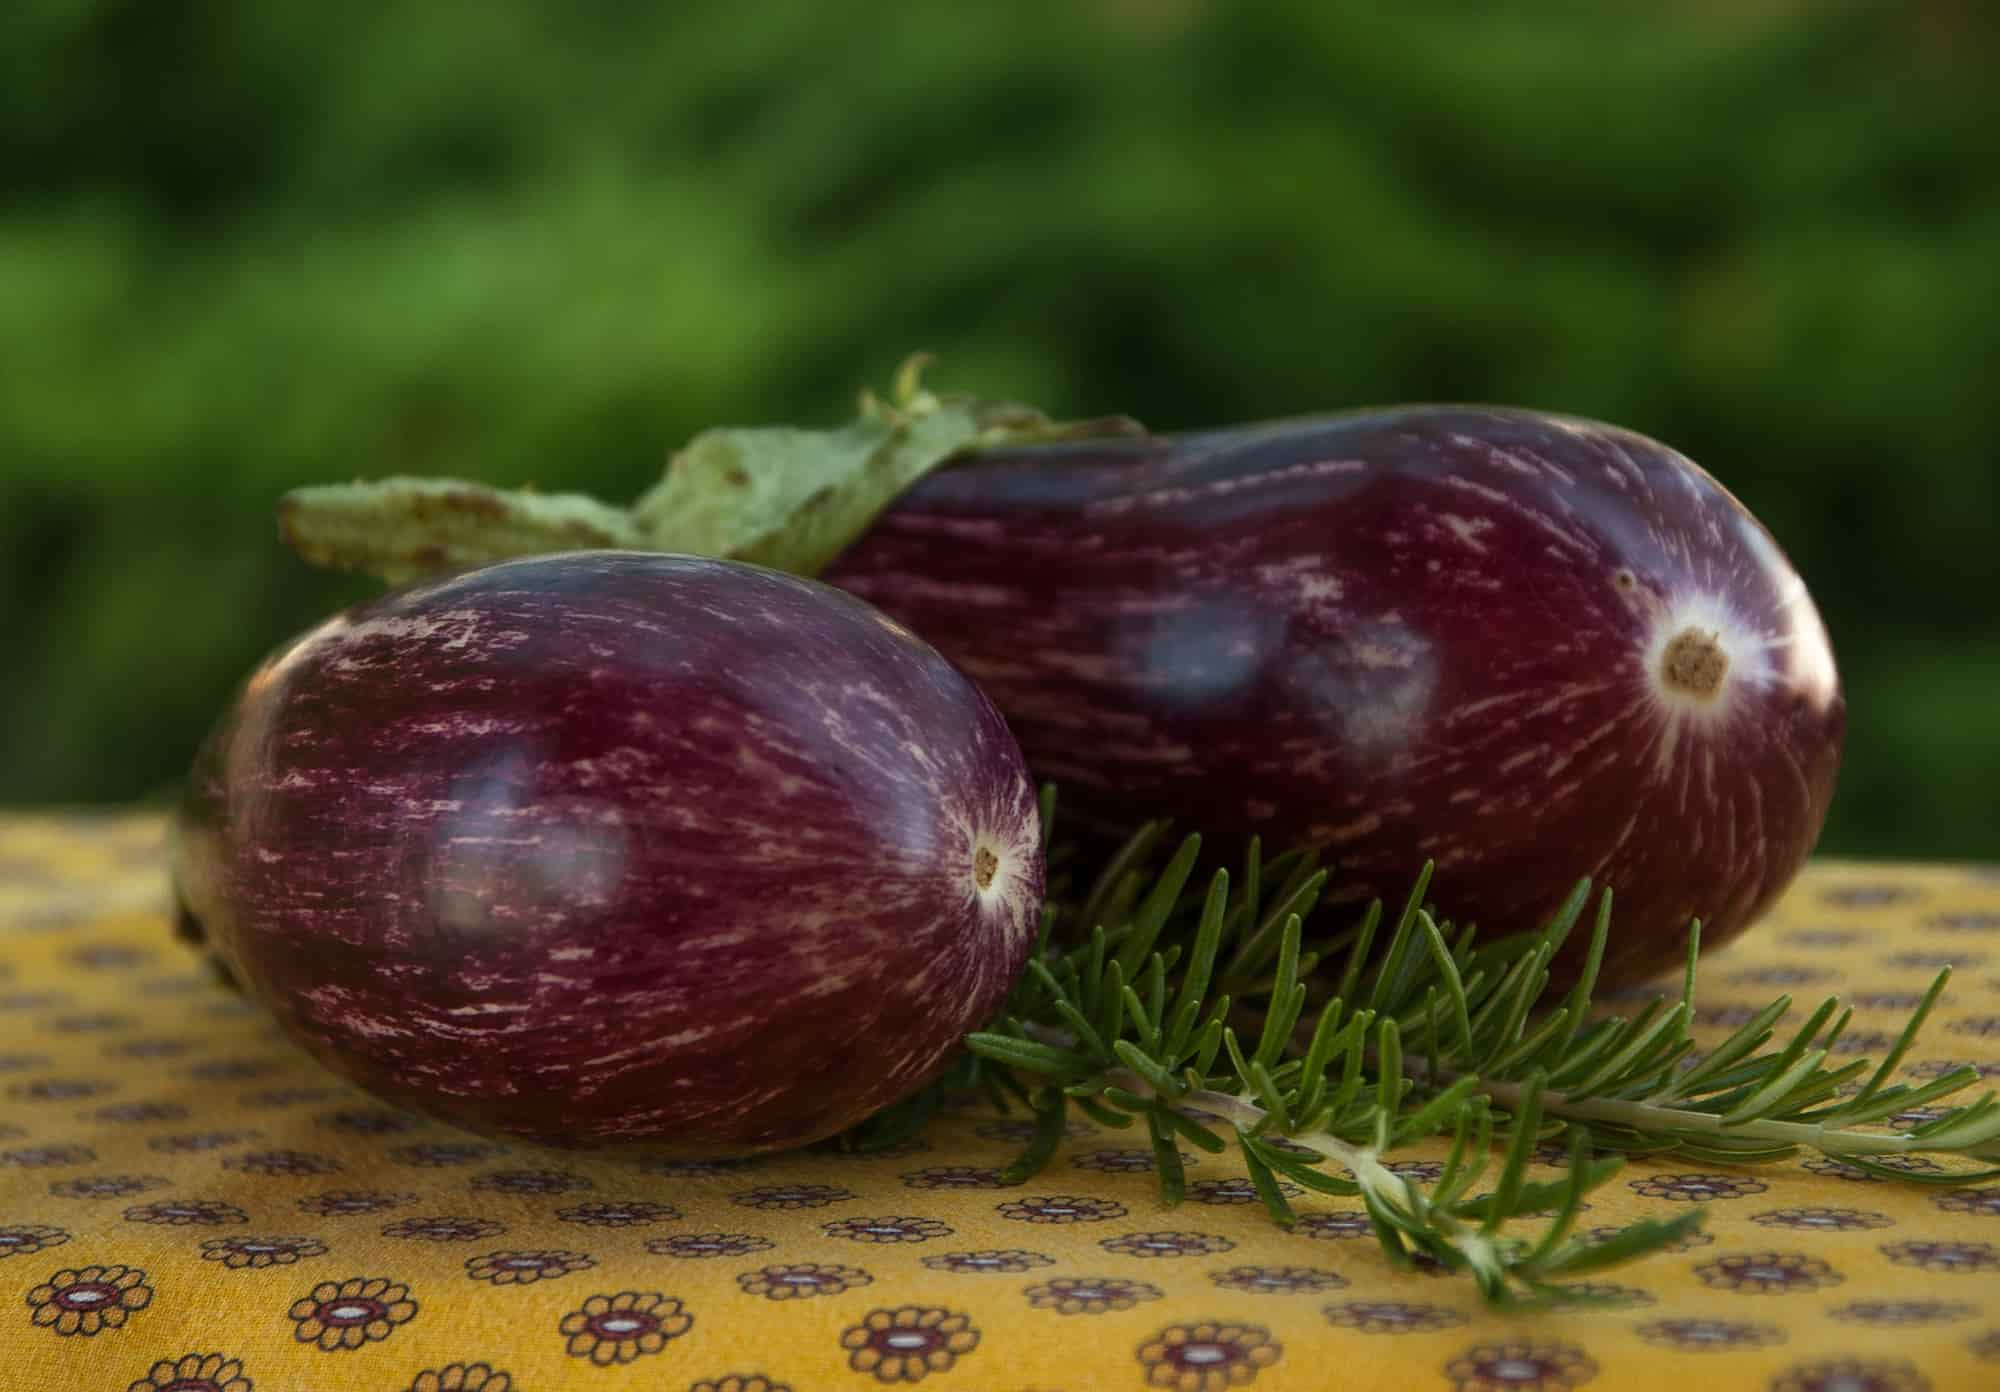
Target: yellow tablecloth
<point>186,1202</point>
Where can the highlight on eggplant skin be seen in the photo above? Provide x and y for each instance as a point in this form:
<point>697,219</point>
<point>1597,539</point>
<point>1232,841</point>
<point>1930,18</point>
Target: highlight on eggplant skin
<point>1528,647</point>
<point>606,847</point>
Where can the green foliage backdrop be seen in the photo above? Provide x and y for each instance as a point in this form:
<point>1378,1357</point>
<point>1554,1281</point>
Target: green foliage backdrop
<point>251,243</point>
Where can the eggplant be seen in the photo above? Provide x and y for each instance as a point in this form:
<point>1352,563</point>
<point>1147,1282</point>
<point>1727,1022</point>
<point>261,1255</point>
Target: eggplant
<point>1526,647</point>
<point>612,848</point>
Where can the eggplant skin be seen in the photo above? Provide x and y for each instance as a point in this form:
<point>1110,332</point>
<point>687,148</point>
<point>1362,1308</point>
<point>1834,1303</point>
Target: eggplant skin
<point>1421,633</point>
<point>606,848</point>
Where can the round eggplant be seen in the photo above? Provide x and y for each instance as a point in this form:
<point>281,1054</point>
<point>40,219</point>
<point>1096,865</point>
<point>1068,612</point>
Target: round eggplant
<point>607,847</point>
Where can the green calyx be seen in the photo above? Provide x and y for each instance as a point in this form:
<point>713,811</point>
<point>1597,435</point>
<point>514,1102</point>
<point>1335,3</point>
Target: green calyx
<point>779,496</point>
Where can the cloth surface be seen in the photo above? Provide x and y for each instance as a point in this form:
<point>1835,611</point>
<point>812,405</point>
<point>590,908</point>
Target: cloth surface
<point>188,1203</point>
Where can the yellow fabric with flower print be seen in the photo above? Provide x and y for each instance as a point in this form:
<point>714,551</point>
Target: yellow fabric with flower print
<point>188,1203</point>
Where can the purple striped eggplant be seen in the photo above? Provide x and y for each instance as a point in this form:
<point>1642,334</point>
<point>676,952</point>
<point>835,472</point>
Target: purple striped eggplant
<point>1527,647</point>
<point>612,847</point>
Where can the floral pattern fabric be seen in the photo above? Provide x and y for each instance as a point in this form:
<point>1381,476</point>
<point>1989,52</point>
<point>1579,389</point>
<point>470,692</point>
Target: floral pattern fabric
<point>188,1202</point>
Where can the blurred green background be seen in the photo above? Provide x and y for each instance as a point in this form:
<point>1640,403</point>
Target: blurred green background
<point>246,244</point>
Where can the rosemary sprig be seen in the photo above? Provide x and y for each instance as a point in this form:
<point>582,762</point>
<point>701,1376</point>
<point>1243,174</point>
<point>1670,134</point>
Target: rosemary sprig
<point>1154,999</point>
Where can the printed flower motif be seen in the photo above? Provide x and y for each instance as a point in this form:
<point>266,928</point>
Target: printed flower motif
<point>1520,1367</point>
<point>437,1154</point>
<point>1277,1280</point>
<point>802,1280</point>
<point>1723,1017</point>
<point>1866,896</point>
<point>282,1162</point>
<point>714,1244</point>
<point>618,1215</point>
<point>1978,1026</point>
<point>1390,1316</point>
<point>740,1382</point>
<point>106,1186</point>
<point>1864,1042</point>
<point>675,1167</point>
<point>230,1070</point>
<point>58,1090</point>
<point>1917,1116</point>
<point>256,1253</point>
<point>1335,1226</point>
<point>346,1203</point>
<point>1702,1335</point>
<point>1822,1219</point>
<point>200,1140</point>
<point>1851,1375</point>
<point>1167,1244</point>
<point>1696,1188</point>
<point>1944,1256</point>
<point>955,1177</point>
<point>180,1213</point>
<point>1061,1208</point>
<point>1897,1312</point>
<point>1837,1169</point>
<point>108,956</point>
<point>287,1097</point>
<point>908,1343</point>
<point>47,1157</point>
<point>94,1023</point>
<point>1988,1069</point>
<point>1932,961</point>
<point>531,1182</point>
<point>895,1150</point>
<point>785,1197</point>
<point>993,1259</point>
<point>1207,1357</point>
<point>17,1001</point>
<point>1984,1202</point>
<point>1969,922</point>
<point>1023,1129</point>
<point>1986,1347</point>
<point>1222,1192</point>
<point>1090,1295</point>
<point>1121,1160</point>
<point>463,1377</point>
<point>194,1372</point>
<point>445,1229</point>
<point>84,1300</point>
<point>367,1121</point>
<point>526,1268</point>
<point>1767,1273</point>
<point>618,1328</point>
<point>1687,1242</point>
<point>21,1063</point>
<point>350,1313</point>
<point>1781,976</point>
<point>183,985</point>
<point>887,1229</point>
<point>1887,1000</point>
<point>1608,1295</point>
<point>134,1113</point>
<point>19,1239</point>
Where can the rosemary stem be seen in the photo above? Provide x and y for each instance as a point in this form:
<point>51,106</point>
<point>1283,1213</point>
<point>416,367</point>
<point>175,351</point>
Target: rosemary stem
<point>1363,1162</point>
<point>1652,1118</point>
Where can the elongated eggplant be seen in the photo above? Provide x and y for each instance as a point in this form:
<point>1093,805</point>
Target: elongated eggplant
<point>1527,647</point>
<point>612,847</point>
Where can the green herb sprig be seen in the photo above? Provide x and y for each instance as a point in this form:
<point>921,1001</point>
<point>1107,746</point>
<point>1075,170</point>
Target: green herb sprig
<point>1212,1015</point>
